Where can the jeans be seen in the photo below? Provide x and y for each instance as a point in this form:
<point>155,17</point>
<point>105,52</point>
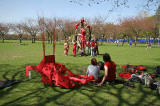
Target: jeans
<point>92,51</point>
<point>87,50</point>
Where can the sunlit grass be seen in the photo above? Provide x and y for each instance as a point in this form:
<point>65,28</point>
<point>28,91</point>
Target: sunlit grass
<point>14,58</point>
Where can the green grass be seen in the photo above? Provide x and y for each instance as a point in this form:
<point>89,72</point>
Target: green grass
<point>14,58</point>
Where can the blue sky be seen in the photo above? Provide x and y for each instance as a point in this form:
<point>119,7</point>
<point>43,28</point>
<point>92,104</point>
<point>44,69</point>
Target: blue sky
<point>19,10</point>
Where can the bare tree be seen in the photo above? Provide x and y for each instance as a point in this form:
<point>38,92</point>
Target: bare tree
<point>4,29</point>
<point>19,30</point>
<point>31,27</point>
<point>66,27</point>
<point>147,4</point>
<point>50,25</point>
<point>98,26</point>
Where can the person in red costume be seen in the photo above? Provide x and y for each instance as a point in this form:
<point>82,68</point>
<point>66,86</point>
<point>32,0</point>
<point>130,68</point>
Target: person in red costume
<point>82,22</point>
<point>83,38</point>
<point>66,48</point>
<point>76,26</point>
<point>74,48</point>
<point>109,68</point>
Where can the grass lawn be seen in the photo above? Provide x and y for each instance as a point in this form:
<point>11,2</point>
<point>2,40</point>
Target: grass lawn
<point>14,58</point>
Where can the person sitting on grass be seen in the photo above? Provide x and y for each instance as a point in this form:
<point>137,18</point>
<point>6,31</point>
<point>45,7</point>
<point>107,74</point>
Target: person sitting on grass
<point>110,70</point>
<point>93,69</point>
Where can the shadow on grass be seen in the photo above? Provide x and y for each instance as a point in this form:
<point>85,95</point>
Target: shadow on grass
<point>33,92</point>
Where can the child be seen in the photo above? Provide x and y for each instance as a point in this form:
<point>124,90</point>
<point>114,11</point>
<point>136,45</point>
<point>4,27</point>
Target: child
<point>66,48</point>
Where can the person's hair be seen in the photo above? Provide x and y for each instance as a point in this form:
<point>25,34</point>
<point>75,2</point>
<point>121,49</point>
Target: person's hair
<point>106,57</point>
<point>93,61</point>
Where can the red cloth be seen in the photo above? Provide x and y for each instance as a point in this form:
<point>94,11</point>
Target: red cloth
<point>74,49</point>
<point>83,40</point>
<point>125,75</point>
<point>141,68</point>
<point>88,26</point>
<point>111,71</point>
<point>58,74</point>
<point>82,21</point>
<point>87,43</point>
<point>92,43</point>
<point>83,33</point>
<point>76,26</point>
<point>66,48</point>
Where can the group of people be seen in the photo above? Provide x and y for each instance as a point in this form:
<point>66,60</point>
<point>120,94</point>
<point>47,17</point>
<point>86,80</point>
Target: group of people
<point>90,48</point>
<point>109,68</point>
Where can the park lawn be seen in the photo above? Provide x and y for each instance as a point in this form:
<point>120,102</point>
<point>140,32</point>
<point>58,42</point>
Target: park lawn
<point>14,58</point>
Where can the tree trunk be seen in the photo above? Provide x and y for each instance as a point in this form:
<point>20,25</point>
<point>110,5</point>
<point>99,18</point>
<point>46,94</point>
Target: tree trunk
<point>20,38</point>
<point>154,40</point>
<point>149,40</point>
<point>48,39</point>
<point>128,39</point>
<point>51,38</point>
<point>135,42</point>
<point>34,39</point>
<point>2,38</point>
<point>123,42</point>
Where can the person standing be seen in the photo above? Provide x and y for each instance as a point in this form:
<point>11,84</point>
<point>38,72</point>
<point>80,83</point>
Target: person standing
<point>92,48</point>
<point>96,51</point>
<point>66,48</point>
<point>74,48</point>
<point>130,43</point>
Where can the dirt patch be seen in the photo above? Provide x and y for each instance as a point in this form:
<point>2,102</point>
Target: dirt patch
<point>17,57</point>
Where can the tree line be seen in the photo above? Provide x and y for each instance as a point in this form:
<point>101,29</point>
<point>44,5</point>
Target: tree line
<point>140,26</point>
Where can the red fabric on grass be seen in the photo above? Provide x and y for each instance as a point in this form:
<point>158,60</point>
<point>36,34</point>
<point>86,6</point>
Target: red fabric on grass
<point>58,74</point>
<point>125,75</point>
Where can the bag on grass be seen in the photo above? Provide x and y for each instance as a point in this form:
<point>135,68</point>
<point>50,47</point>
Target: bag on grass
<point>146,79</point>
<point>156,86</point>
<point>157,70</point>
<point>101,65</point>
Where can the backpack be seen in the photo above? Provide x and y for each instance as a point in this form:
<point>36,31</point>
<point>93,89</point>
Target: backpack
<point>156,86</point>
<point>157,70</point>
<point>101,65</point>
<point>146,79</point>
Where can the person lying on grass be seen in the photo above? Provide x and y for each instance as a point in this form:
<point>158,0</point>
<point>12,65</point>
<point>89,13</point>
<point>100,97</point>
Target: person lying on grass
<point>109,68</point>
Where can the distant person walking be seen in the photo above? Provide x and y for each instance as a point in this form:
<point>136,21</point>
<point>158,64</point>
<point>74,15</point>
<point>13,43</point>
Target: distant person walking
<point>148,44</point>
<point>130,43</point>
